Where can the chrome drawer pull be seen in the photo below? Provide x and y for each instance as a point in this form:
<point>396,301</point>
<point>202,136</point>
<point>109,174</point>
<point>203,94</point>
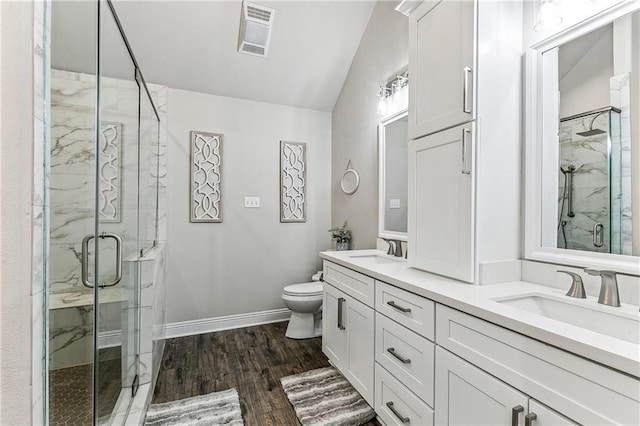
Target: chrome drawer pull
<point>341,301</point>
<point>402,418</point>
<point>515,413</point>
<point>400,308</point>
<point>529,418</point>
<point>392,351</point>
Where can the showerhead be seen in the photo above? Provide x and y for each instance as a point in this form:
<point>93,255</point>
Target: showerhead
<point>591,132</point>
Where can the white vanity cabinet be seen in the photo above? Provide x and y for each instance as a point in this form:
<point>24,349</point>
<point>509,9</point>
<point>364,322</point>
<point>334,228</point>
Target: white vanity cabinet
<point>348,334</point>
<point>441,35</point>
<point>465,63</point>
<point>467,395</point>
<point>440,215</point>
<point>576,388</point>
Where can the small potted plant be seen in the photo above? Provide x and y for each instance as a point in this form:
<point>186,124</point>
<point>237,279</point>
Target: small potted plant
<point>342,235</point>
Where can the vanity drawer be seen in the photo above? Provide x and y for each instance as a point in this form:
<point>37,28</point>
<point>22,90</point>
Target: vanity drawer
<point>351,282</point>
<point>584,391</point>
<point>392,395</point>
<point>410,310</point>
<point>406,355</point>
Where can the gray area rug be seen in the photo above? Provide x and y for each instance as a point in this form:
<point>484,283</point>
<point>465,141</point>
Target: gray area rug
<point>218,408</point>
<point>324,397</point>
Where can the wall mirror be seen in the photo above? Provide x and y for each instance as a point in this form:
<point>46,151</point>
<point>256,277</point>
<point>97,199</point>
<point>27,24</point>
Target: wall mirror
<point>583,144</point>
<point>393,138</point>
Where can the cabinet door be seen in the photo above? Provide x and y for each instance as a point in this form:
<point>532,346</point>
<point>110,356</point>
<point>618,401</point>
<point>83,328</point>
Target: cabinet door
<point>358,368</point>
<point>334,335</point>
<point>441,37</point>
<point>440,214</point>
<point>466,395</point>
<point>541,415</point>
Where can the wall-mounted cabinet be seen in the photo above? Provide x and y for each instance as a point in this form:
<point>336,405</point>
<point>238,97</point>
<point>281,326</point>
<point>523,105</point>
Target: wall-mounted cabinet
<point>440,218</point>
<point>441,50</point>
<point>465,64</point>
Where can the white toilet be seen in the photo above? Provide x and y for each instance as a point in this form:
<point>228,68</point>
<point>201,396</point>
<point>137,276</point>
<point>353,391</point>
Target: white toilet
<point>305,301</point>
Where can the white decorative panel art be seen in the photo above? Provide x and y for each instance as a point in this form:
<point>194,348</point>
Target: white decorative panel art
<point>206,174</point>
<point>109,172</point>
<point>293,182</point>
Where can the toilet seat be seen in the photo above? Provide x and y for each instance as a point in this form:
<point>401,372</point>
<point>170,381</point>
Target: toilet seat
<point>313,288</point>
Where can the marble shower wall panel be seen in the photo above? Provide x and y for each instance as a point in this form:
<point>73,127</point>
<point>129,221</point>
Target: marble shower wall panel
<point>589,155</point>
<point>72,170</point>
<point>621,98</point>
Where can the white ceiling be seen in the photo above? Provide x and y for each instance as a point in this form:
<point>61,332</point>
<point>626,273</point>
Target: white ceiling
<point>192,45</point>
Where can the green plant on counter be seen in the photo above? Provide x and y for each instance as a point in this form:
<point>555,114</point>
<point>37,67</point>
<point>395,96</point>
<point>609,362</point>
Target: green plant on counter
<point>341,234</point>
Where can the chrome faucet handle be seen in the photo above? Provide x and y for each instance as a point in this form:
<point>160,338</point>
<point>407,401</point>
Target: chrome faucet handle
<point>577,287</point>
<point>608,287</point>
<point>391,251</point>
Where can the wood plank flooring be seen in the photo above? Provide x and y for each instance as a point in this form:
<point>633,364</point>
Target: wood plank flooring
<point>251,359</point>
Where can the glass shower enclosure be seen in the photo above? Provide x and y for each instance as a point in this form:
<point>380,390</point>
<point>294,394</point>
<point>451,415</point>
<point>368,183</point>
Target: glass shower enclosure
<point>103,213</point>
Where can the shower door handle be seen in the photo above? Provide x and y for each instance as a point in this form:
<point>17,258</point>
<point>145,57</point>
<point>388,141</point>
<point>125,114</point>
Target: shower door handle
<point>598,236</point>
<point>85,259</point>
<point>466,163</point>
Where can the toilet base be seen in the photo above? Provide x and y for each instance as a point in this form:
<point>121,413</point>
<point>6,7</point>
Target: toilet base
<point>303,326</point>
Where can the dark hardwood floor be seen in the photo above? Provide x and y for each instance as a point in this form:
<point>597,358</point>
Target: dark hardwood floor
<point>251,359</point>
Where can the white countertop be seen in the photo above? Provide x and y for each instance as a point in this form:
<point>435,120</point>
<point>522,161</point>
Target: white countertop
<point>477,300</point>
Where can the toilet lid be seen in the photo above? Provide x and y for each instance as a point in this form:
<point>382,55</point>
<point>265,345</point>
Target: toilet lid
<point>304,289</point>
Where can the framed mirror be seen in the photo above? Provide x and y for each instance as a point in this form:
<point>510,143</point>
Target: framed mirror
<point>393,138</point>
<point>582,188</point>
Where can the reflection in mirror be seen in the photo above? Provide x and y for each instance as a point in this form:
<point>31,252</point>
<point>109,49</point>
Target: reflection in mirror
<point>589,167</point>
<point>393,138</point>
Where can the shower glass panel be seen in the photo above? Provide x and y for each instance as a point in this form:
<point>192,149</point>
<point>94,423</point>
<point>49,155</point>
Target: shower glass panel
<point>590,182</point>
<point>71,193</point>
<point>149,171</point>
<point>117,227</point>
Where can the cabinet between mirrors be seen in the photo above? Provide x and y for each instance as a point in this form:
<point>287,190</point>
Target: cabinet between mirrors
<point>417,361</point>
<point>464,130</point>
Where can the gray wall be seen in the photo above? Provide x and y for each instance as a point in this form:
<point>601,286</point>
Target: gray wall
<point>383,51</point>
<point>240,265</point>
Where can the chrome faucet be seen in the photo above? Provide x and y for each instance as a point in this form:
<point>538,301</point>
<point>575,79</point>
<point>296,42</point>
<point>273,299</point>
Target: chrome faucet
<point>391,250</point>
<point>577,287</point>
<point>608,287</point>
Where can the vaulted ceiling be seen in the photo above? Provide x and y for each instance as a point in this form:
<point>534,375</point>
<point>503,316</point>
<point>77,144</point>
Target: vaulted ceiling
<point>192,45</point>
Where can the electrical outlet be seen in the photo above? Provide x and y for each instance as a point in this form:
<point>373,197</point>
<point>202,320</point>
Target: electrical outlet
<point>394,203</point>
<point>252,202</point>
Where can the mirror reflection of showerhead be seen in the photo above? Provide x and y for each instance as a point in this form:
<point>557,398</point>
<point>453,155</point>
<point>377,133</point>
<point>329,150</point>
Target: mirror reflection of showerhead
<point>592,131</point>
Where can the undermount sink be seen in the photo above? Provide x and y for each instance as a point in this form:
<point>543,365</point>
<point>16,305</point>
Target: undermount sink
<point>375,258</point>
<point>606,320</point>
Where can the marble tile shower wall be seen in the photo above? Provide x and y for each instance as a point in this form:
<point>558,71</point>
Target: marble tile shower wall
<point>592,195</point>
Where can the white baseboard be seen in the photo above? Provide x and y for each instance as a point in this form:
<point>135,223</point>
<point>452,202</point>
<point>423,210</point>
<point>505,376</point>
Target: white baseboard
<point>109,339</point>
<point>208,325</point>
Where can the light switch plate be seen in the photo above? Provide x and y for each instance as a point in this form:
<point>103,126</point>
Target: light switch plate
<point>394,203</point>
<point>252,202</point>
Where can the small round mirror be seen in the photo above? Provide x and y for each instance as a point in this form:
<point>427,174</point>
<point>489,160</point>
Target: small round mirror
<point>350,181</point>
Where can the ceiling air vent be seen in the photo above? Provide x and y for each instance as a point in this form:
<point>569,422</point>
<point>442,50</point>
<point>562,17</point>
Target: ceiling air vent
<point>255,29</point>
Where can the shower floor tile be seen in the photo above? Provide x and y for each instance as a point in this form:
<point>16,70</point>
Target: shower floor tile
<point>70,391</point>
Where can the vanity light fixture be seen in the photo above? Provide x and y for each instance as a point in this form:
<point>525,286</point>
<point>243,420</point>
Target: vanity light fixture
<point>394,95</point>
<point>407,6</point>
<point>547,16</point>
